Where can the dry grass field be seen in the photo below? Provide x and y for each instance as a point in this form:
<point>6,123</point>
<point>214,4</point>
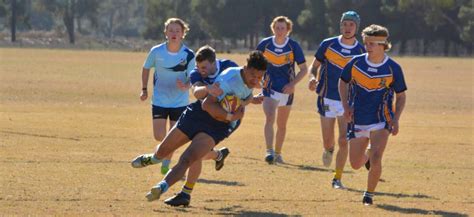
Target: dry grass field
<point>70,122</point>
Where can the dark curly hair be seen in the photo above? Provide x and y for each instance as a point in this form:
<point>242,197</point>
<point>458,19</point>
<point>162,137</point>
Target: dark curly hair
<point>257,61</point>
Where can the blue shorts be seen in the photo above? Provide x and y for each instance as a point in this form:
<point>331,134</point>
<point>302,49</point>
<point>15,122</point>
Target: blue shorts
<point>163,113</point>
<point>194,120</point>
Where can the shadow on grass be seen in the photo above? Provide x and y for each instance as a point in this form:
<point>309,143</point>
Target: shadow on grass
<point>40,135</point>
<point>300,167</point>
<point>313,168</point>
<point>399,195</point>
<point>403,210</point>
<point>227,211</point>
<point>235,211</point>
<point>220,182</point>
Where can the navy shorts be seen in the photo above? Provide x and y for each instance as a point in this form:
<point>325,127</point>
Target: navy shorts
<point>163,113</point>
<point>195,120</point>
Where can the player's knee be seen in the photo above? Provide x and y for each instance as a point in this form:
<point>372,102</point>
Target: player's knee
<point>281,127</point>
<point>270,119</point>
<point>186,160</point>
<point>355,163</point>
<point>328,142</point>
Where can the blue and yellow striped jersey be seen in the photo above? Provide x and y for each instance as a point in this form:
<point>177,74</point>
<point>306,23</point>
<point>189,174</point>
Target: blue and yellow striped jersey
<point>372,88</point>
<point>281,62</point>
<point>333,56</point>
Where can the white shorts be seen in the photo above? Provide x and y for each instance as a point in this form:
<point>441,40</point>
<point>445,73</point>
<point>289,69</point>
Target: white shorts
<point>283,99</point>
<point>364,130</point>
<point>331,108</point>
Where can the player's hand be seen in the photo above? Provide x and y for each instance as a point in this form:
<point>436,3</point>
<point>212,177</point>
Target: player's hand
<point>394,126</point>
<point>182,86</point>
<point>312,84</point>
<point>214,89</point>
<point>257,99</point>
<point>348,114</point>
<point>143,95</point>
<point>289,88</point>
<point>238,114</point>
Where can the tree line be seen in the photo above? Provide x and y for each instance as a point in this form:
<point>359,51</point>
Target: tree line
<point>417,27</point>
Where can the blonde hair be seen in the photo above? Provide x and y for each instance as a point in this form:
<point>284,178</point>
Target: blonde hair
<point>180,22</point>
<point>289,23</point>
<point>377,31</point>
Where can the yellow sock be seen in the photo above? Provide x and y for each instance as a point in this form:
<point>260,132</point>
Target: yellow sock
<point>188,187</point>
<point>338,173</point>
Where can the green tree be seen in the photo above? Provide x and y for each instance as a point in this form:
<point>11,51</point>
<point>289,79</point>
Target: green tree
<point>442,18</point>
<point>158,11</point>
<point>16,12</point>
<point>313,26</point>
<point>121,17</point>
<point>70,10</point>
<point>466,16</point>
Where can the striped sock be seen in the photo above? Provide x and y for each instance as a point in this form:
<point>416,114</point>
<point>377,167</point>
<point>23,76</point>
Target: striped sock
<point>270,151</point>
<point>368,194</point>
<point>338,173</point>
<point>188,188</point>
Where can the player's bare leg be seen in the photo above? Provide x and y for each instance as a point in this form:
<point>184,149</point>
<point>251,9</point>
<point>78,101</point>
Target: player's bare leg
<point>327,130</point>
<point>199,147</point>
<point>342,152</point>
<point>282,120</point>
<point>159,132</point>
<point>269,108</point>
<point>173,140</point>
<point>378,141</point>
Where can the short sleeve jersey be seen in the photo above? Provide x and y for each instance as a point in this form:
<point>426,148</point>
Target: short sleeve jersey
<point>372,88</point>
<point>169,67</point>
<point>333,56</point>
<point>281,62</point>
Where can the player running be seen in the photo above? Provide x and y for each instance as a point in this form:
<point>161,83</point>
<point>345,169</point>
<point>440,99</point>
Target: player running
<point>173,62</point>
<point>205,126</point>
<point>368,85</point>
<point>331,57</point>
<point>202,78</point>
<point>282,53</point>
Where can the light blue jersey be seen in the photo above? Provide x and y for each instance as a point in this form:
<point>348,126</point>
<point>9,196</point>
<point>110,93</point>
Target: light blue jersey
<point>232,83</point>
<point>168,68</point>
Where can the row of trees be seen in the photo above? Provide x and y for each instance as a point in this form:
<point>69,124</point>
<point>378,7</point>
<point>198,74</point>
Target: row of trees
<point>419,26</point>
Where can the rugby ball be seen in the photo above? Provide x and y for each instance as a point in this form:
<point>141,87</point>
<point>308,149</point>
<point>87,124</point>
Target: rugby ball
<point>230,103</point>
